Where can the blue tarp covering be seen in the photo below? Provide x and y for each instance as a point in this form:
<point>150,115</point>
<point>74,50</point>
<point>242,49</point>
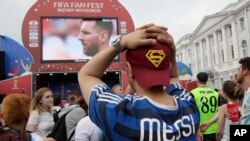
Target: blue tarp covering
<point>18,59</point>
<point>183,69</point>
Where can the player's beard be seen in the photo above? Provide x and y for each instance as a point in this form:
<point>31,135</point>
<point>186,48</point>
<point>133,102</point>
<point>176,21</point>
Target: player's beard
<point>92,50</point>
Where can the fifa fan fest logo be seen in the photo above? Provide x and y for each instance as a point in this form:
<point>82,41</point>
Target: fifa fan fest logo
<point>156,57</point>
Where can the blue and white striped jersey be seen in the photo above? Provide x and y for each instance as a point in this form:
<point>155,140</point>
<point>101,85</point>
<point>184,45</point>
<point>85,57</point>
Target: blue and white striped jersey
<point>136,117</point>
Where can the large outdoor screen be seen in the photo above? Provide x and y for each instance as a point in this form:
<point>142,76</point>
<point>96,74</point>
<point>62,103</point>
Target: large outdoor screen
<point>68,40</point>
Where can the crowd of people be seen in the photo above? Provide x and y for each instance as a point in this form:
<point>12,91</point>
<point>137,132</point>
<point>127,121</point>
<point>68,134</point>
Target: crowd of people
<point>153,107</point>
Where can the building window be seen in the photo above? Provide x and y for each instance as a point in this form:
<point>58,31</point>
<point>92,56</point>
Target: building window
<point>229,30</point>
<point>242,23</point>
<point>219,36</point>
<point>203,42</point>
<point>244,48</point>
<point>222,55</point>
<point>211,40</point>
<point>232,51</point>
<point>214,58</point>
<point>199,64</point>
<point>199,61</point>
<point>206,60</point>
<point>213,83</point>
<point>221,81</point>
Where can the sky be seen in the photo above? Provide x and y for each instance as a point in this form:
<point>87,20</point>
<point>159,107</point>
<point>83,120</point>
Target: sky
<point>180,16</point>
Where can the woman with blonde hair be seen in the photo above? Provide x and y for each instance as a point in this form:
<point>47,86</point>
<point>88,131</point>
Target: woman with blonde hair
<point>41,117</point>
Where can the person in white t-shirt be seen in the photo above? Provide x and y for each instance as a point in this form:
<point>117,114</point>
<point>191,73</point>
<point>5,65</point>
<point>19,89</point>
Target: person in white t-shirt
<point>41,119</point>
<point>86,130</point>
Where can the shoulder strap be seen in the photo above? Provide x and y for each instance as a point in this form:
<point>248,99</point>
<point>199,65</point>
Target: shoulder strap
<point>10,133</point>
<point>4,127</point>
<point>8,128</point>
<point>28,135</point>
<point>71,135</point>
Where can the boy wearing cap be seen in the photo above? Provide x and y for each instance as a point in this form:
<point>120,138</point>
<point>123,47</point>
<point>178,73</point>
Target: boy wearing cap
<point>151,113</point>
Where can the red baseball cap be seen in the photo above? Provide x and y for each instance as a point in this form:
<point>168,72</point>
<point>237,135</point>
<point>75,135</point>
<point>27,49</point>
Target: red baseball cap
<point>150,65</point>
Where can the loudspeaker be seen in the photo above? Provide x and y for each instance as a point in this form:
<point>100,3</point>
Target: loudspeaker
<point>2,65</point>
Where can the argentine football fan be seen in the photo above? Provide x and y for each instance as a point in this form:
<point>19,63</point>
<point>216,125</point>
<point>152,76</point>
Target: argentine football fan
<point>152,113</point>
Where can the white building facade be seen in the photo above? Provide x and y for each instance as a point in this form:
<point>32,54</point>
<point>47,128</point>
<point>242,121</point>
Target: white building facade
<point>218,43</point>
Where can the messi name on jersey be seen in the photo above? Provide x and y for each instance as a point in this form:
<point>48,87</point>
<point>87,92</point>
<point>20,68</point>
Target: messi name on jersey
<point>183,127</point>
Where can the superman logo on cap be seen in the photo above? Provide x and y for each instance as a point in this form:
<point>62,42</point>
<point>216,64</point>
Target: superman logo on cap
<point>156,57</point>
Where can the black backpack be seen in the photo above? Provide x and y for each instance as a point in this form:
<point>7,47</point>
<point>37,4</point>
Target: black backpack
<point>59,131</point>
<point>56,115</point>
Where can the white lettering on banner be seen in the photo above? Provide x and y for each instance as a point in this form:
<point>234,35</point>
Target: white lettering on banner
<point>86,5</point>
<point>88,10</point>
<point>78,7</point>
<point>61,4</point>
<point>186,122</point>
<point>95,5</point>
<point>65,10</point>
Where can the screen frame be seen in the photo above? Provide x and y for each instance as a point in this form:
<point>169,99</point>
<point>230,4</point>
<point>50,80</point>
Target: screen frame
<point>44,61</point>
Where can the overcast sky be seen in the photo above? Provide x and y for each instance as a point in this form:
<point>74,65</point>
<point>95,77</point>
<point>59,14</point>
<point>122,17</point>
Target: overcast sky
<point>180,16</point>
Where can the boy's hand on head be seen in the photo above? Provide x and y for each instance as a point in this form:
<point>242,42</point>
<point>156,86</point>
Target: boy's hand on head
<point>161,34</point>
<point>168,40</point>
<point>148,35</point>
<point>151,25</point>
<point>137,39</point>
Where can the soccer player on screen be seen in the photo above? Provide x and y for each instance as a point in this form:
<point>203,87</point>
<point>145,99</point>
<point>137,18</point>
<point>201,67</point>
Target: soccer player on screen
<point>95,36</point>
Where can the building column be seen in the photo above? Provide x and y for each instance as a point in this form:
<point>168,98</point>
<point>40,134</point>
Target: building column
<point>216,51</point>
<point>201,55</point>
<point>209,58</point>
<point>195,56</point>
<point>184,55</point>
<point>235,39</point>
<point>224,40</point>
